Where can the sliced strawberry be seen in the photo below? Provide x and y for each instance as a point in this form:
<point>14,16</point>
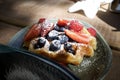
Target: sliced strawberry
<point>91,31</point>
<point>46,27</point>
<point>75,26</point>
<point>41,20</point>
<point>77,37</point>
<point>33,32</point>
<point>84,35</point>
<point>62,22</point>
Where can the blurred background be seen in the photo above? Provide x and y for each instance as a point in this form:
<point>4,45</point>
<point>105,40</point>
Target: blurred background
<point>14,15</point>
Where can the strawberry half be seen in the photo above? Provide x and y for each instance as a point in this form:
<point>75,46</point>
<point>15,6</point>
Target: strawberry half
<point>33,32</point>
<point>41,20</point>
<point>91,31</point>
<point>62,22</point>
<point>75,26</point>
<point>76,37</point>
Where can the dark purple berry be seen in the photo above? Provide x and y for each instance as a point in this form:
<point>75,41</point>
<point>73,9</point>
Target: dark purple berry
<point>40,43</point>
<point>36,46</point>
<point>68,48</point>
<point>52,35</point>
<point>63,39</point>
<point>55,45</point>
<point>71,51</point>
<point>61,29</point>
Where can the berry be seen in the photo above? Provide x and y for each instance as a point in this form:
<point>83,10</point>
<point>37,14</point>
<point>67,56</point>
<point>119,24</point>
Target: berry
<point>71,51</point>
<point>91,31</point>
<point>55,45</point>
<point>61,29</point>
<point>41,41</point>
<point>63,39</point>
<point>56,28</point>
<point>36,46</point>
<point>76,37</point>
<point>47,26</point>
<point>41,20</point>
<point>33,32</point>
<point>62,22</point>
<point>52,35</point>
<point>75,26</point>
<point>68,48</point>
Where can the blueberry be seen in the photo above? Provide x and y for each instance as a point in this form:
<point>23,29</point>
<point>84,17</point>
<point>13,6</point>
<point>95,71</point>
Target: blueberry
<point>56,27</point>
<point>55,45</point>
<point>63,39</point>
<point>36,46</point>
<point>52,35</point>
<point>71,51</point>
<point>68,48</point>
<point>40,43</point>
<point>61,29</point>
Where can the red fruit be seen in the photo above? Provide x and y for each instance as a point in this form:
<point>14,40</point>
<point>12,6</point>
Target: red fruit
<point>62,22</point>
<point>76,37</point>
<point>75,26</point>
<point>91,31</point>
<point>33,32</point>
<point>47,26</point>
<point>41,20</point>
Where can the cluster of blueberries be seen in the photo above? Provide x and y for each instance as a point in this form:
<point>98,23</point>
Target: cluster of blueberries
<point>57,37</point>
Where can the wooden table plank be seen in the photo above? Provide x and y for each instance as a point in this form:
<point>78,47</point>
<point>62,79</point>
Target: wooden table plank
<point>7,32</point>
<point>114,73</point>
<point>26,12</point>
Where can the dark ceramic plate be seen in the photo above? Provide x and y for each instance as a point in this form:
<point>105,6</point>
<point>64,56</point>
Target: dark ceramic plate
<point>94,68</point>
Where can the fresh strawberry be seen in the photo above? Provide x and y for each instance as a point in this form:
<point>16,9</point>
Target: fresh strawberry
<point>47,26</point>
<point>33,32</point>
<point>62,22</point>
<point>84,35</point>
<point>91,31</point>
<point>75,26</point>
<point>76,37</point>
<point>41,20</point>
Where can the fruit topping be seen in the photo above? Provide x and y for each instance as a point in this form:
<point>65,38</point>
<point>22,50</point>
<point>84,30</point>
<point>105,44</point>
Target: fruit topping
<point>36,46</point>
<point>46,27</point>
<point>68,48</point>
<point>41,20</point>
<point>91,31</point>
<point>55,45</point>
<point>33,32</point>
<point>52,35</point>
<point>75,26</point>
<point>63,39</point>
<point>62,22</point>
<point>40,43</point>
<point>61,29</point>
<point>76,37</point>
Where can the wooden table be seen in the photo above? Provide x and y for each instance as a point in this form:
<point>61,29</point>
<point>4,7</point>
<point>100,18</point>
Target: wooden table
<point>17,14</point>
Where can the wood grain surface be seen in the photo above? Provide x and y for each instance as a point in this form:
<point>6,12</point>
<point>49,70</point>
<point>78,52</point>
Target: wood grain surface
<point>7,31</point>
